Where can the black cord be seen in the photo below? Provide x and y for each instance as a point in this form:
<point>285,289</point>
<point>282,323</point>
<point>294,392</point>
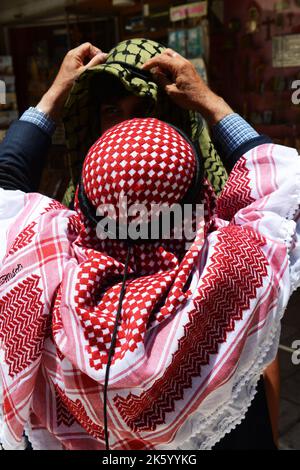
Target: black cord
<point>112,346</point>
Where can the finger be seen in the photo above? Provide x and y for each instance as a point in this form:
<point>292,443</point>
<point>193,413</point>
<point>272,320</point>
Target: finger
<point>86,50</point>
<point>161,78</point>
<point>94,51</point>
<point>162,61</point>
<point>171,53</point>
<point>171,89</point>
<point>167,54</point>
<point>99,58</point>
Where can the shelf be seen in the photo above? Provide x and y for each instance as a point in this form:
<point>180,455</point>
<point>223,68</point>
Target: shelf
<point>269,93</point>
<point>147,34</point>
<point>278,130</point>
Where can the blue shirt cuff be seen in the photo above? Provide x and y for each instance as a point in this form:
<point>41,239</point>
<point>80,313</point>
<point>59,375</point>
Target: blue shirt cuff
<point>231,133</point>
<point>40,119</point>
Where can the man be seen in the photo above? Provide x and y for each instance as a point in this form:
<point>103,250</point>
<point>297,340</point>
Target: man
<point>121,89</point>
<point>197,97</point>
<point>108,90</point>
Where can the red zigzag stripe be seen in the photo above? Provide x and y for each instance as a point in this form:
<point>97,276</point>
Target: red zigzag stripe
<point>23,239</point>
<point>237,192</point>
<point>76,408</point>
<point>22,324</point>
<point>63,415</point>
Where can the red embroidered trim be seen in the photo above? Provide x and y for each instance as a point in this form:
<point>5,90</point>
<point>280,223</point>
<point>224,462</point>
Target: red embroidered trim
<point>220,303</point>
<point>23,239</point>
<point>63,415</point>
<point>77,410</point>
<point>237,192</point>
<point>22,324</point>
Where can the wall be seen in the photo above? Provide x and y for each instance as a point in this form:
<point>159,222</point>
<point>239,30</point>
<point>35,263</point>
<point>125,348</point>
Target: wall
<point>242,71</point>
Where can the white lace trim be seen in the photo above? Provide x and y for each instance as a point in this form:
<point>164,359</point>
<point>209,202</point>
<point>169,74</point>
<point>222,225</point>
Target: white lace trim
<point>291,233</point>
<point>228,417</point>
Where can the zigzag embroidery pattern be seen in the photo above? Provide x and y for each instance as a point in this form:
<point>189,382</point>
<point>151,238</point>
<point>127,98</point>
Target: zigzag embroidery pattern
<point>54,205</point>
<point>22,324</point>
<point>23,239</point>
<point>79,413</point>
<point>237,192</point>
<point>235,273</point>
<point>63,416</point>
<point>26,236</point>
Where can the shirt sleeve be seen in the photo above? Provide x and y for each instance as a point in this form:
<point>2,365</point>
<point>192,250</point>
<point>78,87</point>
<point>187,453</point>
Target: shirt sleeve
<point>22,156</point>
<point>40,119</point>
<point>233,137</point>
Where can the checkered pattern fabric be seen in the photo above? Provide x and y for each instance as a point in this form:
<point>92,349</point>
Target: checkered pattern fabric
<point>145,159</point>
<point>150,163</point>
<point>232,132</point>
<point>40,119</point>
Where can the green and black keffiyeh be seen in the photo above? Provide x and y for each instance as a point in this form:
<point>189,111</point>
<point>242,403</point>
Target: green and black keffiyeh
<point>124,62</point>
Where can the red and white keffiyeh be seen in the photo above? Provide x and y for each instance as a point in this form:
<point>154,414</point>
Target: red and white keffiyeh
<point>198,328</point>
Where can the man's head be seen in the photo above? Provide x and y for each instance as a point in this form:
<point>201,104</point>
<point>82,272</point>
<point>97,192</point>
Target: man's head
<point>128,92</point>
<point>122,90</point>
<point>113,103</point>
<point>138,166</point>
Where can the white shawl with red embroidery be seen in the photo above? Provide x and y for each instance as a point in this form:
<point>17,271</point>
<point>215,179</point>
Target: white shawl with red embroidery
<point>184,379</point>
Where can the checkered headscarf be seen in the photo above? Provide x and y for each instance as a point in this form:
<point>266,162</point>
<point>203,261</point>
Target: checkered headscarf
<point>145,160</point>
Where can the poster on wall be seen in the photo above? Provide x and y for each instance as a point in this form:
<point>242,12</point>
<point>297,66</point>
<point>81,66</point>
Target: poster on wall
<point>200,67</point>
<point>177,41</point>
<point>286,51</point>
<point>195,42</point>
<point>189,10</point>
<point>8,98</point>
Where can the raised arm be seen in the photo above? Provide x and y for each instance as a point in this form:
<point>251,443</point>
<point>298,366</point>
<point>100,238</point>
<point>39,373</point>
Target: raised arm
<point>231,134</point>
<point>22,153</point>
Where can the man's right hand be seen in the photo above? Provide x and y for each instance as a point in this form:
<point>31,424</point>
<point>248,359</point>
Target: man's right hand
<point>73,65</point>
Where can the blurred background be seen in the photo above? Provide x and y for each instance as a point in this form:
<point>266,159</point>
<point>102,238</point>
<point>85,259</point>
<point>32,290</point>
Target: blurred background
<point>248,51</point>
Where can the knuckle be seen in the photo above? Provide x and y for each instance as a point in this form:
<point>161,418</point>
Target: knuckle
<point>71,53</point>
<point>186,67</point>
